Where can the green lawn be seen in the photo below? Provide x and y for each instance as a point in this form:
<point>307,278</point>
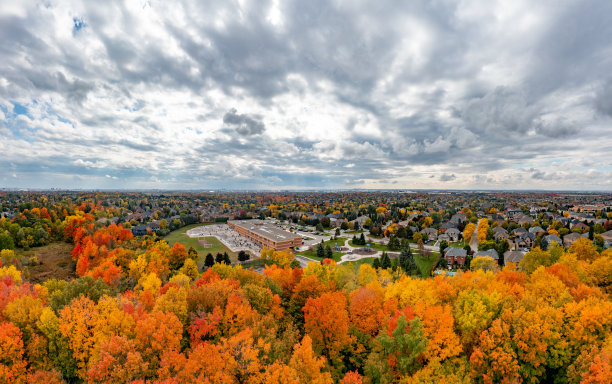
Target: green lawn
<point>180,236</point>
<point>425,264</point>
<point>256,263</point>
<point>459,244</point>
<point>313,255</point>
<point>332,243</point>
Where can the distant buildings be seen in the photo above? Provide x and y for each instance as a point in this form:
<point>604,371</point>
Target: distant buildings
<point>266,234</point>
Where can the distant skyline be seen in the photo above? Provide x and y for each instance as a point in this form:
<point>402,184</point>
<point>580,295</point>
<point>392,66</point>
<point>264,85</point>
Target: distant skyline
<point>248,95</point>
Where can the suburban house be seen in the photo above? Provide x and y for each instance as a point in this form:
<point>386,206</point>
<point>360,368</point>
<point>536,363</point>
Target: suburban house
<point>500,234</point>
<point>548,240</point>
<point>361,220</point>
<point>453,234</point>
<point>455,256</point>
<point>581,226</point>
<point>431,233</point>
<point>456,218</point>
<point>446,226</point>
<point>525,219</point>
<point>139,230</point>
<point>444,237</point>
<point>535,230</point>
<point>488,253</point>
<point>513,257</point>
<point>570,238</point>
<point>525,240</point>
<point>607,236</point>
<point>518,231</point>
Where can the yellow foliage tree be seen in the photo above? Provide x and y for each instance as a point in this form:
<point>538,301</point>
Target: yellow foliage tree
<point>584,249</point>
<point>12,273</point>
<point>308,365</point>
<point>468,231</point>
<point>485,263</point>
<point>483,227</point>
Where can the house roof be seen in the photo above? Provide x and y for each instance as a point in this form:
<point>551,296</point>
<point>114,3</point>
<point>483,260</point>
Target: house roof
<point>536,229</point>
<point>500,229</point>
<point>489,253</point>
<point>455,252</point>
<point>429,231</point>
<point>513,256</point>
<point>551,238</point>
<point>571,236</point>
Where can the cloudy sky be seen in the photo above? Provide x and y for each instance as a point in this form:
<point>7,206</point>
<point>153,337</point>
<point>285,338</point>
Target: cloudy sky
<point>306,94</point>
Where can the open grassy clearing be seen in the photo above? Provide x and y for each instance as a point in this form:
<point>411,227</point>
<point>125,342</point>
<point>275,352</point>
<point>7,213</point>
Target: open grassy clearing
<point>313,255</point>
<point>459,244</point>
<point>332,243</point>
<point>180,236</point>
<point>426,263</point>
<point>55,262</point>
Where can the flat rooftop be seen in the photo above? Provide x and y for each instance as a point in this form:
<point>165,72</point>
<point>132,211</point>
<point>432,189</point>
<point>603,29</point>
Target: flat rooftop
<point>266,230</point>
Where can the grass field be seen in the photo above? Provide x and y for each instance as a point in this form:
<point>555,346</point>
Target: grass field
<point>426,264</point>
<point>180,236</point>
<point>332,243</point>
<point>313,255</point>
<point>459,244</point>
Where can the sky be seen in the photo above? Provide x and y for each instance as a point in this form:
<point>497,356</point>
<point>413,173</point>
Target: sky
<point>316,94</point>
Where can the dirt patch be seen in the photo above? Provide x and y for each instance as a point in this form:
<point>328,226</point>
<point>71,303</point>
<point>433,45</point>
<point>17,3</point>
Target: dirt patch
<point>55,263</point>
<point>364,251</point>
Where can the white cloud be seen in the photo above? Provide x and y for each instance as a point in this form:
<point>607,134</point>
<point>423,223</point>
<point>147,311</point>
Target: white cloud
<point>331,91</point>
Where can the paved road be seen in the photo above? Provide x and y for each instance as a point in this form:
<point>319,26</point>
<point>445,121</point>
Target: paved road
<point>474,241</point>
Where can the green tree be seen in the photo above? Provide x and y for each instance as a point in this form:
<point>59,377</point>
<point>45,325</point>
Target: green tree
<point>328,252</point>
<point>385,261</point>
<point>406,344</point>
<point>6,241</point>
<point>443,245</point>
<point>535,258</point>
<point>501,248</point>
<point>192,253</point>
<point>219,258</point>
<point>209,261</point>
<point>243,256</point>
<point>406,260</point>
<point>376,263</point>
<point>320,251</point>
<point>394,243</point>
